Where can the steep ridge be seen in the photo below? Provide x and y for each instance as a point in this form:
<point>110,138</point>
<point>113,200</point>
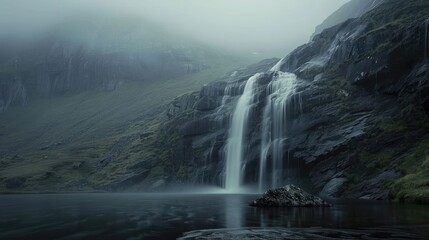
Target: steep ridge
<point>361,130</point>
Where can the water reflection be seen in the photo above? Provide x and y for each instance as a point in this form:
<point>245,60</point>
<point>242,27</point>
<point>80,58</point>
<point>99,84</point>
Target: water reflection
<point>167,216</point>
<point>234,211</point>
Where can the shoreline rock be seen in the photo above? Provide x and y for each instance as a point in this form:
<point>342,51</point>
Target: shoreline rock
<point>288,196</point>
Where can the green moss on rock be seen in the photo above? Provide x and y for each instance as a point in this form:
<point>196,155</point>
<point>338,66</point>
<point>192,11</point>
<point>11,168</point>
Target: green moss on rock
<point>414,185</point>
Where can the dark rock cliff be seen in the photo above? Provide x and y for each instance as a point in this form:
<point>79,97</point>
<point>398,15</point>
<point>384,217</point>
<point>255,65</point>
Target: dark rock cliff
<point>363,85</point>
<point>198,125</point>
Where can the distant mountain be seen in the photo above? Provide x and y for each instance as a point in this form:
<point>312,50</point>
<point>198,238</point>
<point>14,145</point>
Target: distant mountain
<point>95,52</point>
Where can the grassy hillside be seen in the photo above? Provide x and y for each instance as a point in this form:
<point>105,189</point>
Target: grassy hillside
<point>86,141</point>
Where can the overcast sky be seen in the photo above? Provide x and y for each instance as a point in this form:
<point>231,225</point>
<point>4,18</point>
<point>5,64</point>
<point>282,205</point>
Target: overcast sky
<point>267,27</point>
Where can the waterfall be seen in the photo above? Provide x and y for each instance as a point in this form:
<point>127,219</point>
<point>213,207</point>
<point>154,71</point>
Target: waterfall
<point>375,4</point>
<point>274,126</point>
<point>278,65</point>
<point>236,136</point>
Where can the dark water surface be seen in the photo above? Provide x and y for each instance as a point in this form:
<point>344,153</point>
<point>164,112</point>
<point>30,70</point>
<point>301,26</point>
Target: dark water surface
<point>168,216</point>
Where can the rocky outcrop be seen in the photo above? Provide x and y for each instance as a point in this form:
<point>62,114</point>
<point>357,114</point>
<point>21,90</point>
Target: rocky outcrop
<point>288,196</point>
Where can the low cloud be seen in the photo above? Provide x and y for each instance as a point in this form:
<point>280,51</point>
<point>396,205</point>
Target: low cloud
<point>266,27</point>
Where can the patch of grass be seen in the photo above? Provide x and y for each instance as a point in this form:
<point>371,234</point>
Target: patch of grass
<point>412,188</point>
<point>414,185</point>
<point>393,126</point>
<point>378,160</point>
<point>418,158</point>
<point>354,179</point>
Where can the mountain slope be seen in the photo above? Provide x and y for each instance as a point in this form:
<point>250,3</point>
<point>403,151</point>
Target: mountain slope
<point>63,143</point>
<point>75,97</point>
<point>96,52</point>
<point>363,127</point>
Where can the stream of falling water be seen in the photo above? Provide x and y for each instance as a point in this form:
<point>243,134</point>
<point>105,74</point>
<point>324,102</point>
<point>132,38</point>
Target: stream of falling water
<point>236,136</point>
<point>274,127</point>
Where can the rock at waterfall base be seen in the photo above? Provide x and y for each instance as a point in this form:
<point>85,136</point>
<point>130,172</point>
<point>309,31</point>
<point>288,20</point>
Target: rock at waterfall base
<point>288,196</point>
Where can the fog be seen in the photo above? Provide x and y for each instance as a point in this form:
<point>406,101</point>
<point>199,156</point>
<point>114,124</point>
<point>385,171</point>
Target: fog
<point>260,27</point>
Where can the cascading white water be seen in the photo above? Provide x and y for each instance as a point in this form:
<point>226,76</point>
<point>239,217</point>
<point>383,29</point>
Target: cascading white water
<point>375,4</point>
<point>278,65</point>
<point>236,136</point>
<point>280,91</point>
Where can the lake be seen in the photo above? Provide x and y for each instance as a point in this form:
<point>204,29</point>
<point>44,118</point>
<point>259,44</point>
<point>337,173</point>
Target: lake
<point>168,216</point>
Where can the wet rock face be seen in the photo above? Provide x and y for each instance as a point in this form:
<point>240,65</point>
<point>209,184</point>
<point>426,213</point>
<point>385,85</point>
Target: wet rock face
<point>197,129</point>
<point>415,87</point>
<point>288,196</point>
<point>374,51</point>
<point>181,104</point>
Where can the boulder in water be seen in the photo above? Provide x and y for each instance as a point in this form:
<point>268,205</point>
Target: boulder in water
<point>288,196</point>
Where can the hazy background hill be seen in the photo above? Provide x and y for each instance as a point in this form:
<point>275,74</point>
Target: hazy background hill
<point>98,52</point>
